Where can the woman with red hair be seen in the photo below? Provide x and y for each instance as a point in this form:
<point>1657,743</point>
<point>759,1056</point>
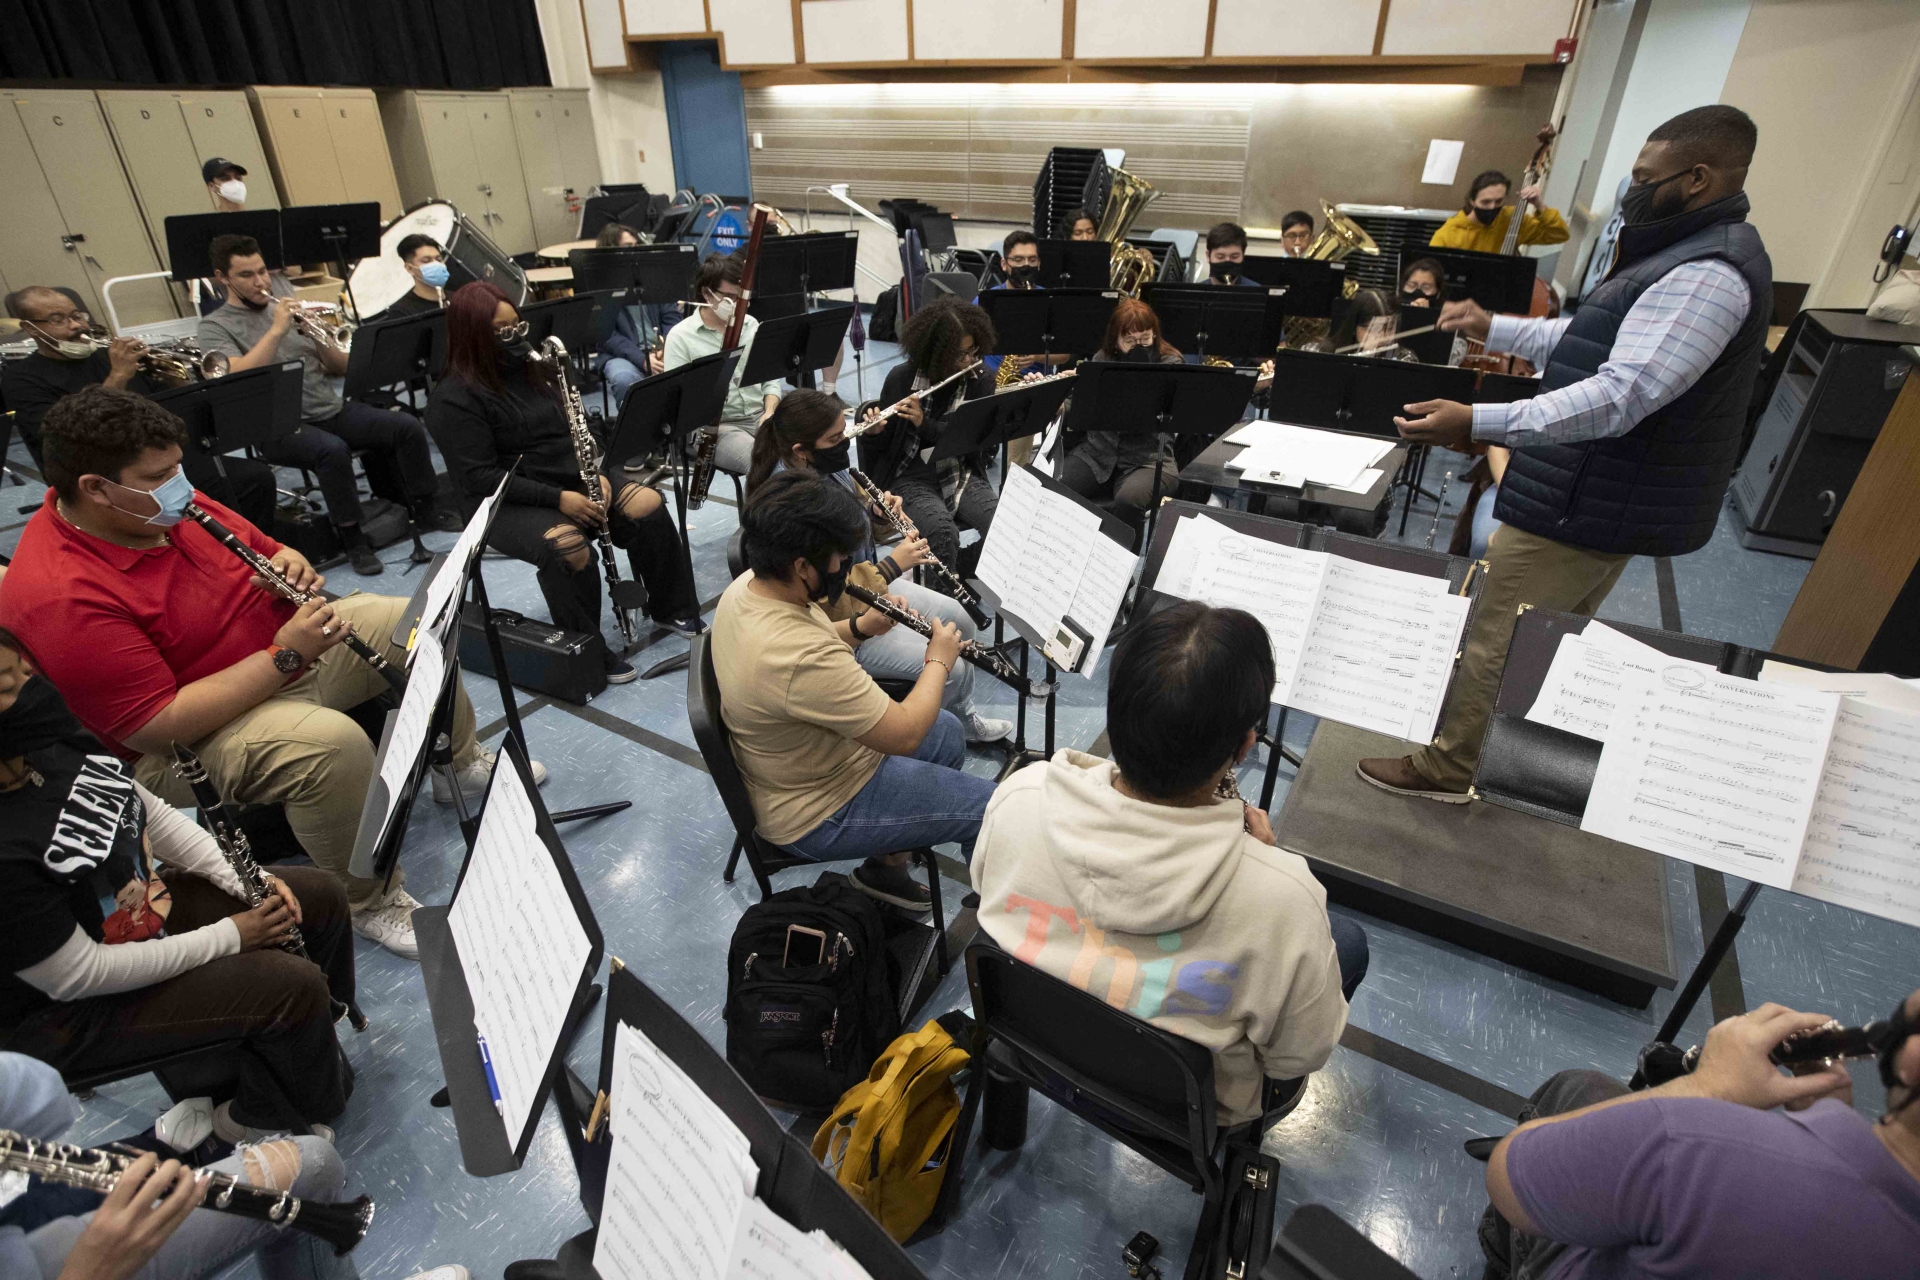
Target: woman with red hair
<point>498,403</point>
<point>1107,464</point>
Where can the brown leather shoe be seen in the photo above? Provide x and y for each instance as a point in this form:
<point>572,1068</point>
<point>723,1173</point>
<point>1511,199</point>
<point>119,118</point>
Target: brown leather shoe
<point>1397,774</point>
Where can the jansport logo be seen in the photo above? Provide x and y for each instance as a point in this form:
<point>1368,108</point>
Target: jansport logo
<point>779,1017</point>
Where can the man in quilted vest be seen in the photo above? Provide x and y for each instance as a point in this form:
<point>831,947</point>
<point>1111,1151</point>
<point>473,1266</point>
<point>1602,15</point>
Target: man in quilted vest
<point>1631,443</point>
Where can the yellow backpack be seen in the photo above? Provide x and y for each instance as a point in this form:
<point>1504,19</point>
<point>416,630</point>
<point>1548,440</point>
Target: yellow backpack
<point>887,1141</point>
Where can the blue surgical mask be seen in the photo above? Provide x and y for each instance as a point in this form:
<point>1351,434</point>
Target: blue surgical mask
<point>173,497</point>
<point>435,274</point>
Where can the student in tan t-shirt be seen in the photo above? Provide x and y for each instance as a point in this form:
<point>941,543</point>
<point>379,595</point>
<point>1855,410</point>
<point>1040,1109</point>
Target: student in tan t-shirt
<point>835,768</point>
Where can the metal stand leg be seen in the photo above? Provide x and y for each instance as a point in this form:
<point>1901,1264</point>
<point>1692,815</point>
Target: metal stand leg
<point>1717,948</point>
<point>682,477</point>
<point>1277,750</point>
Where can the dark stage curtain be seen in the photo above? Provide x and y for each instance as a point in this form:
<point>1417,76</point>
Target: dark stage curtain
<point>400,44</point>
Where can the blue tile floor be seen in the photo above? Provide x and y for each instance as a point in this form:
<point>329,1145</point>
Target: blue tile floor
<point>1380,1146</point>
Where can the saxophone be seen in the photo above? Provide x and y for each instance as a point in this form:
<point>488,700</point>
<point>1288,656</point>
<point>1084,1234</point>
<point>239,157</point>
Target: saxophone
<point>239,855</point>
<point>625,596</point>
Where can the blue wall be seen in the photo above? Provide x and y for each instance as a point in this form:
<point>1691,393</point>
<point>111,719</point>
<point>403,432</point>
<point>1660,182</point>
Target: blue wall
<point>706,119</point>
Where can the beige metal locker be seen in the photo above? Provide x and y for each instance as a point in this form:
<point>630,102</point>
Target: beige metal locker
<point>503,186</point>
<point>461,147</point>
<point>326,146</point>
<point>222,125</point>
<point>558,155</point>
<point>67,212</point>
<point>360,147</point>
<point>579,149</point>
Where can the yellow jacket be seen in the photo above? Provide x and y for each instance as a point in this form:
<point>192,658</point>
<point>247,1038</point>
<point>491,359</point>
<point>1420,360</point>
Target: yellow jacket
<point>1463,231</point>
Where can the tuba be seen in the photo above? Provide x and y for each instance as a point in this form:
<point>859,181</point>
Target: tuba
<point>1339,237</point>
<point>1127,199</point>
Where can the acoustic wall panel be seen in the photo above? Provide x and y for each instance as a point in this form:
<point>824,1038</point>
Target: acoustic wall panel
<point>665,17</point>
<point>1140,29</point>
<point>1294,28</point>
<point>756,32</point>
<point>838,31</point>
<point>987,31</point>
<point>1421,27</point>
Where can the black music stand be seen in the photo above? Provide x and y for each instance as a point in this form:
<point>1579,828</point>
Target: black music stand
<point>1313,285</point>
<point>994,421</point>
<point>806,264</point>
<point>1049,322</point>
<point>670,407</point>
<point>569,319</point>
<point>190,234</point>
<point>1497,281</point>
<point>661,273</point>
<point>793,346</point>
<point>1162,401</point>
<point>1075,264</point>
<point>238,410</point>
<point>336,233</point>
<point>406,350</point>
<point>1434,347</point>
<point>1241,325</point>
<point>486,1147</point>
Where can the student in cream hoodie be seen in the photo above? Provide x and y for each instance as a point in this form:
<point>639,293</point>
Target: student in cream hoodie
<point>1131,880</point>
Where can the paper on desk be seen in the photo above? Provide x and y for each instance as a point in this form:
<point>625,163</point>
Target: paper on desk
<point>1863,840</point>
<point>1715,770</point>
<point>411,725</point>
<point>1886,691</point>
<point>522,946</point>
<point>1321,457</point>
<point>680,1177</point>
<point>1582,691</point>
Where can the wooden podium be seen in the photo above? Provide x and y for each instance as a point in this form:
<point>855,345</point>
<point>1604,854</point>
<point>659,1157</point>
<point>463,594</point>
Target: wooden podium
<point>1859,608</point>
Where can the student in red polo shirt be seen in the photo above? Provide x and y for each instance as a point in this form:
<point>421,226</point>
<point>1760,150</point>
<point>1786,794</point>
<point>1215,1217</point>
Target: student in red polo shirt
<point>155,633</point>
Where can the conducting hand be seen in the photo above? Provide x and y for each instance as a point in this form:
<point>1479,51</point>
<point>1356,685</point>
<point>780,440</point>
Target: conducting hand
<point>944,644</point>
<point>146,1206</point>
<point>1734,1066</point>
<point>266,925</point>
<point>313,629</point>
<point>123,360</point>
<point>296,569</point>
<point>582,510</point>
<point>910,553</point>
<point>1466,316</point>
<point>1446,423</point>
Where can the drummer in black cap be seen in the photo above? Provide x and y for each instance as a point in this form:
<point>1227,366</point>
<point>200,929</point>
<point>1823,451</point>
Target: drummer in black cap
<point>224,183</point>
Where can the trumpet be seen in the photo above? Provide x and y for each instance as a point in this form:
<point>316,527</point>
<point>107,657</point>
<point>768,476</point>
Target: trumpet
<point>322,323</point>
<point>991,661</point>
<point>171,362</point>
<point>876,499</point>
<point>861,428</point>
<point>342,1225</point>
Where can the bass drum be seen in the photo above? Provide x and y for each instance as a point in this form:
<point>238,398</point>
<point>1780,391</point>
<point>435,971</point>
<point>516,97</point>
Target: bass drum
<point>377,283</point>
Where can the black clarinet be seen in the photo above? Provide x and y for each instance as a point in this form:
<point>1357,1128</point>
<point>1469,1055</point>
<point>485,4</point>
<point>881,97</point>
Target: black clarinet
<point>239,855</point>
<point>94,1169</point>
<point>287,591</point>
<point>991,661</point>
<point>877,501</point>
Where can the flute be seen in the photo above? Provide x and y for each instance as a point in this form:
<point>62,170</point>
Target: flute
<point>990,661</point>
<point>239,855</point>
<point>877,500</point>
<point>861,428</point>
<point>276,581</point>
<point>342,1225</point>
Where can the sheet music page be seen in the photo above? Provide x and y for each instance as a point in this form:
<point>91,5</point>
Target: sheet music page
<point>522,946</point>
<point>452,572</point>
<point>1192,536</point>
<point>768,1247</point>
<point>1381,646</point>
<point>1044,543</point>
<point>840,1262</point>
<point>1279,585</point>
<point>1715,770</point>
<point>1863,840</point>
<point>1006,542</point>
<point>1582,691</point>
<point>1886,691</point>
<point>1096,601</point>
<point>680,1175</point>
<point>1323,457</point>
<point>415,719</point>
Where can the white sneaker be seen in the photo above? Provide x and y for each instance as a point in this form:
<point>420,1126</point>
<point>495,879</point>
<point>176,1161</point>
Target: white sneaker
<point>982,730</point>
<point>473,779</point>
<point>390,924</point>
<point>441,1273</point>
<point>227,1129</point>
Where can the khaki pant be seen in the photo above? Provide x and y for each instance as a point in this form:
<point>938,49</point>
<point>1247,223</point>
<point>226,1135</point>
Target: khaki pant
<point>300,750</point>
<point>1522,568</point>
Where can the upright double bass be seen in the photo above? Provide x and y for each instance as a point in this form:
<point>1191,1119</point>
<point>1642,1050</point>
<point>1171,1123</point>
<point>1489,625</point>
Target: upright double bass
<point>1535,174</point>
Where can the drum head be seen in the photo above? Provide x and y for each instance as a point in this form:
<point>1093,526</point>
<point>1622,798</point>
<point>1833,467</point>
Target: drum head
<point>377,283</point>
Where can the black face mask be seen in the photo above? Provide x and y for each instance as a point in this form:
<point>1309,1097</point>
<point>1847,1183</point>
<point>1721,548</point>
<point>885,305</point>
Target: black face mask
<point>1139,355</point>
<point>832,585</point>
<point>519,349</point>
<point>1485,217</point>
<point>1640,204</point>
<point>828,461</point>
<point>1223,272</point>
<point>1414,298</point>
<point>1024,275</point>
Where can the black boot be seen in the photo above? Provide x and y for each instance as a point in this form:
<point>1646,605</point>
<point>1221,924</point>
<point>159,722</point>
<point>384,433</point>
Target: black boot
<point>358,552</point>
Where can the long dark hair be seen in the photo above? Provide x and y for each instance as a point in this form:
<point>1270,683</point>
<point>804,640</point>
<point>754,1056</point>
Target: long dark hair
<point>472,352</point>
<point>931,337</point>
<point>800,418</point>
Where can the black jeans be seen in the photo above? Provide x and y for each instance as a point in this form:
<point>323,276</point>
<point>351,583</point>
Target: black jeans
<point>920,493</point>
<point>1131,488</point>
<point>652,544</point>
<point>399,465</point>
<point>274,1004</point>
<point>1514,1255</point>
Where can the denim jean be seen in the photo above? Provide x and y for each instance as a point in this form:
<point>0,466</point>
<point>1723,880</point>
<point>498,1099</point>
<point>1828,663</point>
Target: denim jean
<point>913,801</point>
<point>1515,1255</point>
<point>1483,523</point>
<point>208,1240</point>
<point>620,375</point>
<point>902,652</point>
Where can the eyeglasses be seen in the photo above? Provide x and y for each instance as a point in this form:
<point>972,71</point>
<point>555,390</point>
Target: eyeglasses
<point>1138,339</point>
<point>512,332</point>
<point>80,318</point>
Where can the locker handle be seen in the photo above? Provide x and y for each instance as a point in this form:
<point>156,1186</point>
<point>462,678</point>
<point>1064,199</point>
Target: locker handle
<point>68,242</point>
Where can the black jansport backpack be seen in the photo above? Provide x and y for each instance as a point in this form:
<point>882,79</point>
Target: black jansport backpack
<point>810,992</point>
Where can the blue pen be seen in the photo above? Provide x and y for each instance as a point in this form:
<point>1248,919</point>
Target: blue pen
<point>493,1085</point>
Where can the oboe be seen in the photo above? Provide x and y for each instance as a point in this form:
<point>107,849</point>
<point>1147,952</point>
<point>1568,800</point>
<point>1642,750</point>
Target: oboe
<point>342,1225</point>
<point>876,499</point>
<point>625,596</point>
<point>287,591</point>
<point>235,848</point>
<point>988,660</point>
<point>861,428</point>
